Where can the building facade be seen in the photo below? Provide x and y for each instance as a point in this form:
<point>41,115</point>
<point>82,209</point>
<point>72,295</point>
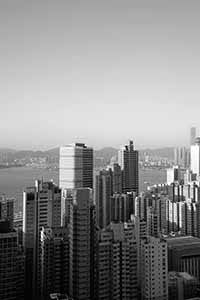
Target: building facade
<point>76,166</point>
<point>128,160</point>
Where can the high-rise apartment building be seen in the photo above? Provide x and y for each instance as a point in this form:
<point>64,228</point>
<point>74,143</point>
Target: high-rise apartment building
<point>103,192</point>
<point>173,175</point>
<point>182,157</point>
<point>116,178</point>
<point>11,264</point>
<point>128,160</point>
<point>108,266</point>
<point>154,269</point>
<point>41,208</point>
<point>122,207</point>
<point>54,261</point>
<point>195,157</point>
<point>124,234</point>
<point>153,222</point>
<point>117,263</point>
<point>81,245</point>
<point>76,166</point>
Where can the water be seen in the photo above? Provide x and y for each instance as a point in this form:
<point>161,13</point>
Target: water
<point>14,180</point>
<point>150,177</point>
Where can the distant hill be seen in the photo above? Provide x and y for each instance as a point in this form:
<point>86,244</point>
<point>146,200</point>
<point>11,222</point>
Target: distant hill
<point>107,152</point>
<point>102,156</point>
<point>7,150</point>
<point>53,152</point>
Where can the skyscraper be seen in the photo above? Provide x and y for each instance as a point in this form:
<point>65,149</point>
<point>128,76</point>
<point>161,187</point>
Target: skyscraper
<point>154,269</point>
<point>54,261</point>
<point>11,264</point>
<point>41,208</point>
<point>195,157</point>
<point>122,207</point>
<point>193,134</point>
<point>173,174</point>
<point>128,160</point>
<point>76,166</point>
<point>81,243</point>
<point>182,157</point>
<point>117,178</point>
<point>117,263</point>
<point>7,209</point>
<point>103,192</point>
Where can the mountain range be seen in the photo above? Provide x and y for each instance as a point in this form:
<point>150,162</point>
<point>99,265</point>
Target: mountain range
<point>104,154</point>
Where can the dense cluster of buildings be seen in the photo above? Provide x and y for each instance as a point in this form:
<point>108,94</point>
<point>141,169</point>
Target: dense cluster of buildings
<point>95,237</point>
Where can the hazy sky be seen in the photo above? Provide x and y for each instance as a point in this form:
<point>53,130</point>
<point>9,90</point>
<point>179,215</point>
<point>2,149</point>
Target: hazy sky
<point>98,71</point>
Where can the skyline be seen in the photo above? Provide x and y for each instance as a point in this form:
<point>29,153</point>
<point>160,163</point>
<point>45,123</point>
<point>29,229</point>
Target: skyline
<point>99,72</point>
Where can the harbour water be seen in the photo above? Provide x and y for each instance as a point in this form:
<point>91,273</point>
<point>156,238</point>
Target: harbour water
<point>14,180</point>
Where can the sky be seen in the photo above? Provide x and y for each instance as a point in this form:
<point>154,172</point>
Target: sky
<point>99,72</point>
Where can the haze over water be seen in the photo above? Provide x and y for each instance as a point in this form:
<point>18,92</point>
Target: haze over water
<point>14,180</point>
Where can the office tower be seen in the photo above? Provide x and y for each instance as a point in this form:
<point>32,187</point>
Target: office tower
<point>184,255</point>
<point>122,207</point>
<point>41,208</point>
<point>195,157</point>
<point>117,178</point>
<point>82,245</point>
<point>182,157</point>
<point>7,209</point>
<point>11,264</point>
<point>54,261</point>
<point>128,160</point>
<point>117,263</point>
<point>182,285</point>
<point>193,134</point>
<point>103,192</point>
<point>76,166</point>
<point>154,269</point>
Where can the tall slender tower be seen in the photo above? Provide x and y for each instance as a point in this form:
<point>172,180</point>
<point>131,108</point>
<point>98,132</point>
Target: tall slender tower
<point>76,166</point>
<point>154,262</point>
<point>117,263</point>
<point>41,208</point>
<point>54,261</point>
<point>81,243</point>
<point>128,160</point>
<point>103,192</point>
<point>11,256</point>
<point>195,157</point>
<point>193,134</point>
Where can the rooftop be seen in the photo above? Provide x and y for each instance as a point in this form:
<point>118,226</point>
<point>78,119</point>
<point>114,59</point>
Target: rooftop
<point>182,241</point>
